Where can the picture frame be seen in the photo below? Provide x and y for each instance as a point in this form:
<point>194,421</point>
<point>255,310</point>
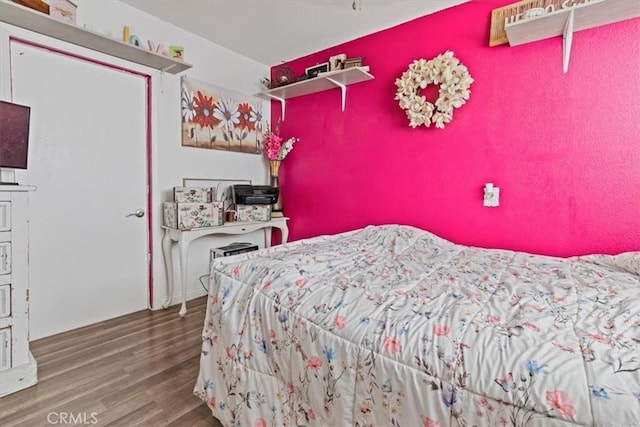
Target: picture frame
<point>336,62</point>
<point>222,188</point>
<point>353,62</point>
<point>200,129</point>
<point>318,68</point>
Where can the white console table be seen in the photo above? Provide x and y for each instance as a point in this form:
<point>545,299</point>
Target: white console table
<point>185,237</point>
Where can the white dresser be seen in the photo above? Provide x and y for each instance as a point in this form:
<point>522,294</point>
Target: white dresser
<point>18,368</point>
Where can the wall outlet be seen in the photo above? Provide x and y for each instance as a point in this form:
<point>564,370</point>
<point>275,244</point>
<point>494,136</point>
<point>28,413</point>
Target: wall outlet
<point>491,195</point>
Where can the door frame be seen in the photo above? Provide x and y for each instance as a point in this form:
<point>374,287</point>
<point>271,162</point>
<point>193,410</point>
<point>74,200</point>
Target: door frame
<point>7,38</point>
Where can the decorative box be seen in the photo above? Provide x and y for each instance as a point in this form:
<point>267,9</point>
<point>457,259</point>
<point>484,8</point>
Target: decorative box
<point>253,212</point>
<point>63,10</point>
<point>185,216</point>
<point>193,194</point>
<point>38,5</point>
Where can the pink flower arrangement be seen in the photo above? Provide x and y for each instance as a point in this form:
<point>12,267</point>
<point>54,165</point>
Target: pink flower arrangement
<point>275,146</point>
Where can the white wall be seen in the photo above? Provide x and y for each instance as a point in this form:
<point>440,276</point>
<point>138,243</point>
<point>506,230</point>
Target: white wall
<point>172,162</point>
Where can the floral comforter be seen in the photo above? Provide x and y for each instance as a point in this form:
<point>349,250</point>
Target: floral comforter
<point>394,326</point>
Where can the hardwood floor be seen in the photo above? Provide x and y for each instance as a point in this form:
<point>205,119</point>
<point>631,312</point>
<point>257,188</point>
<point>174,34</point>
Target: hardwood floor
<point>138,369</point>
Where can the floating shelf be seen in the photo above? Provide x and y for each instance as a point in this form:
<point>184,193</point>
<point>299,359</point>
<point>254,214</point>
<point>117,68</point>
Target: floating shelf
<point>324,81</point>
<point>32,20</point>
<point>565,22</point>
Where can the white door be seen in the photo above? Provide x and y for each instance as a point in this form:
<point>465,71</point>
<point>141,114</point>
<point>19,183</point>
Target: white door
<point>87,157</point>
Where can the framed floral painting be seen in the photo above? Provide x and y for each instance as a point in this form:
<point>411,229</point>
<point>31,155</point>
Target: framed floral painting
<point>220,119</point>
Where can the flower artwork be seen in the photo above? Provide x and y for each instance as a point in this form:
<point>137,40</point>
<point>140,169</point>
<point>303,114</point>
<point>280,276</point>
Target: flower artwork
<point>220,119</point>
<point>444,70</point>
<point>275,146</point>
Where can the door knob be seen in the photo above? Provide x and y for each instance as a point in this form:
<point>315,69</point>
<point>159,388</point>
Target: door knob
<point>139,213</point>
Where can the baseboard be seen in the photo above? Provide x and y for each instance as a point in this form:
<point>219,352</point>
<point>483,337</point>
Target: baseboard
<point>177,297</point>
<point>19,377</point>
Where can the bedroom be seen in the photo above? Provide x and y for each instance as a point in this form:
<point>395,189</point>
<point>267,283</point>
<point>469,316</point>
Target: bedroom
<point>562,147</point>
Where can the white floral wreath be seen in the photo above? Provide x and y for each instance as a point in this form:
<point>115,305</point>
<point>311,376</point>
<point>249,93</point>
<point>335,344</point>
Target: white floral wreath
<point>454,80</point>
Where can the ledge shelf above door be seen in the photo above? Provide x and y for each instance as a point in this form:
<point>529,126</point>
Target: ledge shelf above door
<point>32,20</point>
<point>331,80</point>
<point>564,22</point>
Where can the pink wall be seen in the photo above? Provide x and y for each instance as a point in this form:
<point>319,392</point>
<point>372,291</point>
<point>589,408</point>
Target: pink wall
<point>563,148</point>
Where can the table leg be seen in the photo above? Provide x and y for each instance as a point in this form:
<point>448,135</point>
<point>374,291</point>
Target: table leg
<point>183,249</point>
<point>167,244</point>
<point>285,233</point>
<point>267,237</point>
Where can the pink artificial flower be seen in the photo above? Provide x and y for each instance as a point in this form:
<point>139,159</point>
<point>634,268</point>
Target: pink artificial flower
<point>392,345</point>
<point>311,414</point>
<point>229,353</point>
<point>559,400</point>
<point>339,322</point>
<point>275,146</point>
<point>260,422</point>
<point>212,402</point>
<point>441,330</point>
<point>314,362</point>
<point>301,282</point>
<point>272,334</point>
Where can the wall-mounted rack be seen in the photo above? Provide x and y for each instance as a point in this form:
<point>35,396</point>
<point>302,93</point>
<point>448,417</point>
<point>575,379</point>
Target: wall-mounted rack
<point>32,20</point>
<point>331,80</point>
<point>564,22</point>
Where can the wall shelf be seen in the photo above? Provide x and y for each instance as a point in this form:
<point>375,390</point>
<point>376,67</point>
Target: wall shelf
<point>32,20</point>
<point>325,81</point>
<point>564,22</point>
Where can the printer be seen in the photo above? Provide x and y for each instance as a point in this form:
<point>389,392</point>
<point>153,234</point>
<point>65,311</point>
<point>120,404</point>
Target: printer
<point>254,194</point>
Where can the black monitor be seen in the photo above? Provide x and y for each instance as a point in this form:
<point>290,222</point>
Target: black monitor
<point>14,135</point>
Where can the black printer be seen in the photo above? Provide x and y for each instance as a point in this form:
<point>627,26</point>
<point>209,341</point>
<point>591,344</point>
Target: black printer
<point>254,194</point>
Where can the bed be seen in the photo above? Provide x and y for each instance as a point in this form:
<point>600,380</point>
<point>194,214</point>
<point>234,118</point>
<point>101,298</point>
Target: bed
<point>394,326</point>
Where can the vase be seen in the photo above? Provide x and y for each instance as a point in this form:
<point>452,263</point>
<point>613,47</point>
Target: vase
<point>274,168</point>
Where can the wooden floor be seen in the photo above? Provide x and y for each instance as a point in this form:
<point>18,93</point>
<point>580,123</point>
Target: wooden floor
<point>138,369</point>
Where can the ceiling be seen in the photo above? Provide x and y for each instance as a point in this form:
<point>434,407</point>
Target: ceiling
<point>275,31</point>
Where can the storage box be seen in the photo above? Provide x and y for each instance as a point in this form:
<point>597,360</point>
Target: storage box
<point>193,194</point>
<point>63,10</point>
<point>253,212</point>
<point>38,5</point>
<point>185,216</point>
